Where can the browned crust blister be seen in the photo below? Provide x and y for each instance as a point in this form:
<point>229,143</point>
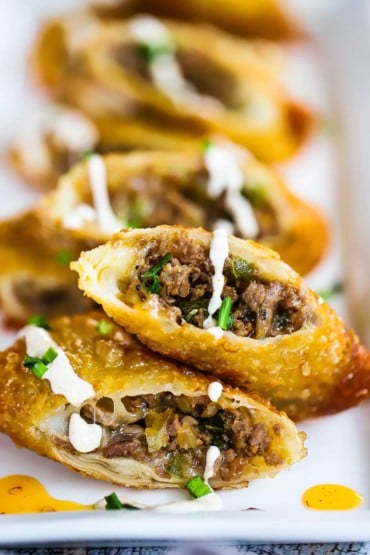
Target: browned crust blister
<point>317,370</point>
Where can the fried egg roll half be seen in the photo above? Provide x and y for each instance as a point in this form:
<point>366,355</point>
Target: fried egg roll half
<point>217,185</point>
<point>34,273</point>
<point>140,420</point>
<point>198,78</point>
<point>231,308</point>
<point>262,18</point>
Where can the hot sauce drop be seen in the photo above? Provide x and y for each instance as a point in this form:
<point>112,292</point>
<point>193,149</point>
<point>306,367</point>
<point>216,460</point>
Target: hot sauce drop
<point>24,494</point>
<point>331,497</point>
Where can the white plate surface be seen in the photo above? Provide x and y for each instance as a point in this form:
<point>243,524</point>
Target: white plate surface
<point>338,446</point>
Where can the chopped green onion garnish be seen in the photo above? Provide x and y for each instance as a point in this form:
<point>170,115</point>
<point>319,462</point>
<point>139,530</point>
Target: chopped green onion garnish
<point>38,366</point>
<point>49,356</point>
<point>224,319</point>
<point>152,51</point>
<point>206,145</point>
<point>257,195</point>
<point>332,291</point>
<point>198,487</point>
<point>104,327</point>
<point>150,278</point>
<point>38,320</point>
<point>63,257</point>
<point>112,502</point>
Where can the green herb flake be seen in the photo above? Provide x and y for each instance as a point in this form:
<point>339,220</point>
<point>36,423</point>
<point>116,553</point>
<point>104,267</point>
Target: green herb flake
<point>241,269</point>
<point>104,327</point>
<point>206,144</point>
<point>37,365</point>
<point>225,320</point>
<point>114,504</point>
<point>333,291</point>
<point>38,320</point>
<point>87,154</point>
<point>151,279</point>
<point>63,257</point>
<point>197,487</point>
<point>152,51</point>
<point>191,307</point>
<point>257,195</point>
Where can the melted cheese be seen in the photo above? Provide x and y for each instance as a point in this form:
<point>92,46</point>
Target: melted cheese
<point>63,379</point>
<point>215,391</point>
<point>98,183</point>
<point>218,253</point>
<point>225,176</point>
<point>84,437</point>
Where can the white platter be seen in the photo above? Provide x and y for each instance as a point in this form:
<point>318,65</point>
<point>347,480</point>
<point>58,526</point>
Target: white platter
<point>338,445</point>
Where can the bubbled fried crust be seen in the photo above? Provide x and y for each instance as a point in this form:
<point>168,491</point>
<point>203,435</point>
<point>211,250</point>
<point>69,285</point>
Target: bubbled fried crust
<point>301,236</point>
<point>117,363</point>
<point>317,370</point>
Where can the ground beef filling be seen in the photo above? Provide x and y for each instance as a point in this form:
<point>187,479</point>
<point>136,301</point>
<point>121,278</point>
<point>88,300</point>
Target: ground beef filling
<point>173,433</point>
<point>259,309</point>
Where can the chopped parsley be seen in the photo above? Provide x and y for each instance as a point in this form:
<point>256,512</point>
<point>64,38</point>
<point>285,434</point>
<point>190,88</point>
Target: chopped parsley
<point>38,320</point>
<point>37,365</point>
<point>63,257</point>
<point>87,154</point>
<point>104,327</point>
<point>151,279</point>
<point>197,487</point>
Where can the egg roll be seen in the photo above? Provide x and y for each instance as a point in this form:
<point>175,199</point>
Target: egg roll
<point>269,332</point>
<point>147,189</point>
<point>119,72</point>
<point>34,273</point>
<point>155,417</point>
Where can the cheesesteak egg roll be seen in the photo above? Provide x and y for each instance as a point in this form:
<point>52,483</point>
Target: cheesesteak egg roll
<point>231,308</point>
<point>87,394</point>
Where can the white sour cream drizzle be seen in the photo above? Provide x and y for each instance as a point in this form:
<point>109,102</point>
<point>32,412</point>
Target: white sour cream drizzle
<point>164,68</point>
<point>102,213</point>
<point>226,176</point>
<point>63,379</point>
<point>212,455</point>
<point>83,436</point>
<point>218,253</point>
<point>215,391</point>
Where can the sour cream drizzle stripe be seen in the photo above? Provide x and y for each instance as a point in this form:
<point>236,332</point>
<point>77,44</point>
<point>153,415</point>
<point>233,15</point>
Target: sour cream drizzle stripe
<point>84,437</point>
<point>225,176</point>
<point>218,253</point>
<point>98,183</point>
<point>164,68</point>
<point>63,379</point>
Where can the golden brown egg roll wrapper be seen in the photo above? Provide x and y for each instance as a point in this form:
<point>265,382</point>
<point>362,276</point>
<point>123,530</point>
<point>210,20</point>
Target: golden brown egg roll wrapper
<point>154,413</point>
<point>240,94</point>
<point>34,273</point>
<point>153,188</point>
<point>284,342</point>
<point>262,18</point>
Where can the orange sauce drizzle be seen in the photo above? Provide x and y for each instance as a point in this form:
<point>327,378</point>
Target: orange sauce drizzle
<point>331,497</point>
<point>25,494</point>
